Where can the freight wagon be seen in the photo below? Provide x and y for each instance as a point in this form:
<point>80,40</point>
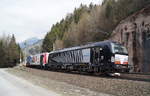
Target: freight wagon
<point>37,60</point>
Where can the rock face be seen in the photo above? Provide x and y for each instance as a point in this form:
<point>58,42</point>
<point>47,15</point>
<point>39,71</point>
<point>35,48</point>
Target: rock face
<point>134,33</point>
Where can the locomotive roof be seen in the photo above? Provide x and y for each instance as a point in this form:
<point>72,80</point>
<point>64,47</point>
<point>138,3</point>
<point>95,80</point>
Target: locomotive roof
<point>102,43</point>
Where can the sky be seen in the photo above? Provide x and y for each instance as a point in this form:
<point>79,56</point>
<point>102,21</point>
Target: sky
<point>34,18</point>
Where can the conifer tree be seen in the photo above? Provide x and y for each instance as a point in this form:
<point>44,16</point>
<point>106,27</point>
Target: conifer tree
<point>9,51</point>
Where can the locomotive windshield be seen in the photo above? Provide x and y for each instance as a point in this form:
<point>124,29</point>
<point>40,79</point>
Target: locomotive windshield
<point>118,49</point>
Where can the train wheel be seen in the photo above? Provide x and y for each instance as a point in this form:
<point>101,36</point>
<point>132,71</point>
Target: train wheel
<point>41,66</point>
<point>45,67</point>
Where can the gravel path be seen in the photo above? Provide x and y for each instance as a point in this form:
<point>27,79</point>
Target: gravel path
<point>14,86</point>
<point>83,85</point>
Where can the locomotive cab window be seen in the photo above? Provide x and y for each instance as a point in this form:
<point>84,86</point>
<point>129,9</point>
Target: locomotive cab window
<point>118,49</point>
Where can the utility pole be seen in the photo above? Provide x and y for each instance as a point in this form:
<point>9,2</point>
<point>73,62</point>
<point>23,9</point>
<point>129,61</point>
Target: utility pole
<point>20,57</point>
<point>25,52</point>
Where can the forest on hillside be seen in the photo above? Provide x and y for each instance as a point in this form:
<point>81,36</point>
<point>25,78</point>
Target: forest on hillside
<point>90,23</point>
<point>9,51</point>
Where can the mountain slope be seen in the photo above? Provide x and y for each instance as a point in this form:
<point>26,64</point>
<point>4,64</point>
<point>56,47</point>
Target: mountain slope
<point>35,48</point>
<point>29,42</point>
<point>31,46</point>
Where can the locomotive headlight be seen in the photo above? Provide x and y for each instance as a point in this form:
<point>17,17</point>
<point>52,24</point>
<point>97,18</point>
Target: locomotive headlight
<point>117,60</point>
<point>125,61</point>
<point>112,59</point>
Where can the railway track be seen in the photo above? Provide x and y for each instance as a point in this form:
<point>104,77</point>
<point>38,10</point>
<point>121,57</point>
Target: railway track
<point>126,76</point>
<point>125,85</point>
<point>136,76</point>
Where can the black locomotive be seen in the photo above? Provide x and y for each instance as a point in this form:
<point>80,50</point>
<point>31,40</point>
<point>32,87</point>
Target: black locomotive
<point>106,56</point>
